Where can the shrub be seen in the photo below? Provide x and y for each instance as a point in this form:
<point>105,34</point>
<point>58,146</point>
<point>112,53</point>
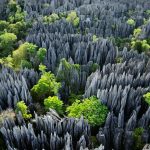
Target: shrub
<point>73,18</point>
<point>137,32</point>
<point>140,46</point>
<point>147,98</point>
<point>21,107</point>
<point>7,61</point>
<point>91,109</point>
<point>131,22</point>
<point>19,28</point>
<point>42,68</point>
<point>3,25</point>
<point>41,54</point>
<point>94,67</point>
<point>95,38</point>
<point>50,19</point>
<point>73,97</point>
<point>137,138</point>
<point>46,86</point>
<point>54,103</point>
<point>7,41</point>
<point>24,52</point>
<point>26,64</point>
<point>148,12</point>
<point>66,73</point>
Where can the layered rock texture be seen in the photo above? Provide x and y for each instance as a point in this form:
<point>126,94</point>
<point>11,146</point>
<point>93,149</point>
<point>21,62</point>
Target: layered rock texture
<point>119,77</point>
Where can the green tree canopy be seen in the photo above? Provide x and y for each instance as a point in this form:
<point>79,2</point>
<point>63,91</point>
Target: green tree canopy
<point>46,86</point>
<point>54,103</point>
<point>91,109</point>
<point>22,107</point>
<point>7,42</point>
<point>73,18</point>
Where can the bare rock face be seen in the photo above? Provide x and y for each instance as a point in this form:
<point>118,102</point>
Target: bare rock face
<point>121,87</point>
<point>15,86</point>
<point>47,133</point>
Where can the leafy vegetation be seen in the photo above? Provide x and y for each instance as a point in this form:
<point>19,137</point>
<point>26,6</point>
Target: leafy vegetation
<point>131,22</point>
<point>67,70</point>
<point>73,18</point>
<point>7,41</point>
<point>46,86</point>
<point>137,138</point>
<point>41,54</point>
<point>147,98</point>
<point>140,45</point>
<point>54,103</point>
<point>91,109</point>
<point>22,107</point>
<point>50,19</point>
<point>95,38</point>
<point>57,34</point>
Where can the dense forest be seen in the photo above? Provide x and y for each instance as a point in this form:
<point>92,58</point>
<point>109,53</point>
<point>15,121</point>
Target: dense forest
<point>74,74</point>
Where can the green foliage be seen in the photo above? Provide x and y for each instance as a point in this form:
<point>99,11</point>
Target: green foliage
<point>137,138</point>
<point>140,45</point>
<point>24,51</point>
<point>54,103</point>
<point>41,54</point>
<point>95,38</point>
<point>91,109</point>
<point>94,67</point>
<point>147,98</point>
<point>12,5</point>
<point>67,71</point>
<point>46,86</point>
<point>16,14</point>
<point>63,14</point>
<point>27,55</point>
<point>131,22</point>
<point>73,18</point>
<point>19,28</point>
<point>21,107</point>
<point>148,12</point>
<point>3,25</point>
<point>119,60</point>
<point>73,97</point>
<point>26,64</point>
<point>42,68</point>
<point>137,32</point>
<point>50,19</point>
<point>7,41</point>
<point>7,61</point>
<point>45,5</point>
<point>121,42</point>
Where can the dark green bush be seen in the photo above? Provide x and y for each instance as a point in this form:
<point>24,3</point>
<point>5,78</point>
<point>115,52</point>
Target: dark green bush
<point>137,138</point>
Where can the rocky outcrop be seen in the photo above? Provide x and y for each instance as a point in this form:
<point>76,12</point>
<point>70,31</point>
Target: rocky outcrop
<point>15,87</point>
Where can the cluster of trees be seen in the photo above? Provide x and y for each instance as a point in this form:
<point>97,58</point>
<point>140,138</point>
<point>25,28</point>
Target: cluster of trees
<point>13,29</point>
<point>73,18</point>
<point>51,18</point>
<point>141,45</point>
<point>46,92</point>
<point>27,55</point>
